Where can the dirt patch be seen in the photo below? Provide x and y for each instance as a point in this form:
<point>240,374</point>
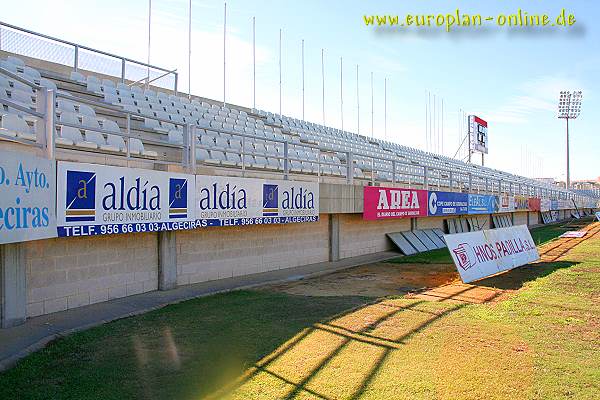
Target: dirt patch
<point>373,280</point>
<point>432,282</point>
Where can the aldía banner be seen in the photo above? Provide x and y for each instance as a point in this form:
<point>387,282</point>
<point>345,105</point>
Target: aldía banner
<point>99,199</point>
<point>230,201</point>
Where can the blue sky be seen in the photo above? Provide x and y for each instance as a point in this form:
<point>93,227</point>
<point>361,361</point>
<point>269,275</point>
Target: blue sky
<point>510,78</point>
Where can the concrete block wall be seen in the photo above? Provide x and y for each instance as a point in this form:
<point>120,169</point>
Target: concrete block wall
<point>534,218</point>
<point>520,218</point>
<point>358,236</point>
<point>66,273</point>
<point>430,223</point>
<point>217,253</point>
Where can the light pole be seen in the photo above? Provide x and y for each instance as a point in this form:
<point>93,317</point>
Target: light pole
<point>569,107</point>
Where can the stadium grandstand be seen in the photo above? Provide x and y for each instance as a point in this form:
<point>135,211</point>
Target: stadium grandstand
<point>132,115</point>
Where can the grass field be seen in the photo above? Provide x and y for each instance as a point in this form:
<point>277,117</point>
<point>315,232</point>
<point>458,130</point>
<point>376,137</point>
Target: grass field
<point>538,342</point>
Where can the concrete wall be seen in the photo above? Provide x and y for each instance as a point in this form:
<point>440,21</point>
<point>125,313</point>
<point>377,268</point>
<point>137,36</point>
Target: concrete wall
<point>358,237</point>
<point>520,218</point>
<point>72,272</point>
<point>216,253</point>
<point>430,223</point>
<point>534,218</point>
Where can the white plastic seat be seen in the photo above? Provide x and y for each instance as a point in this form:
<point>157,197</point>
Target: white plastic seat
<point>117,142</point>
<point>207,140</point>
<point>89,122</point>
<point>66,105</point>
<point>67,117</point>
<point>8,66</point>
<point>221,143</point>
<point>220,156</point>
<point>94,87</point>
<point>68,136</point>
<point>112,99</point>
<point>48,84</point>
<point>203,155</point>
<point>260,162</point>
<point>22,97</point>
<point>137,147</point>
<point>175,136</point>
<point>99,139</point>
<point>32,73</point>
<point>84,109</point>
<point>15,61</point>
<point>110,126</point>
<point>273,164</point>
<point>13,125</point>
<point>233,158</point>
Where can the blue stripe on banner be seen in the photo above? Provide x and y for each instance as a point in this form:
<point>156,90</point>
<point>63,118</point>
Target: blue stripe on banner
<point>80,219</point>
<point>110,229</point>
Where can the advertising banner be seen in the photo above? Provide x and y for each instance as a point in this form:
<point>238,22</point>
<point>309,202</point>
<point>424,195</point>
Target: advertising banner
<point>505,203</point>
<point>230,201</point>
<point>553,205</point>
<point>382,203</point>
<point>521,203</point>
<point>483,253</point>
<point>534,204</point>
<point>99,199</point>
<point>545,204</point>
<point>27,197</point>
<point>565,204</point>
<point>447,203</point>
<point>482,204</point>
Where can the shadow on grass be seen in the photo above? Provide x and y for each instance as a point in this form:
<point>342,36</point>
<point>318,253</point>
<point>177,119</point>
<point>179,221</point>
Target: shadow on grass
<point>185,350</point>
<point>518,277</point>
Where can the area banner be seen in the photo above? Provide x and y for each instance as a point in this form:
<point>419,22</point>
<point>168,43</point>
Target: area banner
<point>27,197</point>
<point>534,204</point>
<point>479,254</point>
<point>447,203</point>
<point>100,199</point>
<point>482,204</point>
<point>384,202</point>
<point>230,201</point>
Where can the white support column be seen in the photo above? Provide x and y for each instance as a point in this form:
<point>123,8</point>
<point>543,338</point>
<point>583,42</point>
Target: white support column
<point>167,260</point>
<point>14,284</point>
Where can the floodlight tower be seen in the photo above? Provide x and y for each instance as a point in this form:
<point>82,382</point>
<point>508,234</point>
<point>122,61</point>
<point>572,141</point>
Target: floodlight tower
<point>569,107</point>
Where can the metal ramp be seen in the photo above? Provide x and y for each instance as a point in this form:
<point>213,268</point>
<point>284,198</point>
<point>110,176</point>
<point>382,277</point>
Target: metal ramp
<point>401,242</point>
<point>418,241</point>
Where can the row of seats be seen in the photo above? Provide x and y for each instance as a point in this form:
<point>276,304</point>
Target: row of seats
<point>217,126</point>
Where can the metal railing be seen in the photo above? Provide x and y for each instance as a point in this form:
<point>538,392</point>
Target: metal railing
<point>32,44</point>
<point>412,174</point>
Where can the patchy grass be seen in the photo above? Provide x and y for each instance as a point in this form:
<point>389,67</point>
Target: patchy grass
<point>542,342</point>
<point>182,351</point>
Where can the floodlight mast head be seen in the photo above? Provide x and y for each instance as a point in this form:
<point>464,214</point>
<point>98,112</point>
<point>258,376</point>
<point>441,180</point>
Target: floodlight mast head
<point>569,107</point>
<point>569,104</point>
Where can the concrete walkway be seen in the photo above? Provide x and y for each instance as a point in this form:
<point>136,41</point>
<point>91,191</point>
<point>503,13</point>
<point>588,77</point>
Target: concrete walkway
<point>35,333</point>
